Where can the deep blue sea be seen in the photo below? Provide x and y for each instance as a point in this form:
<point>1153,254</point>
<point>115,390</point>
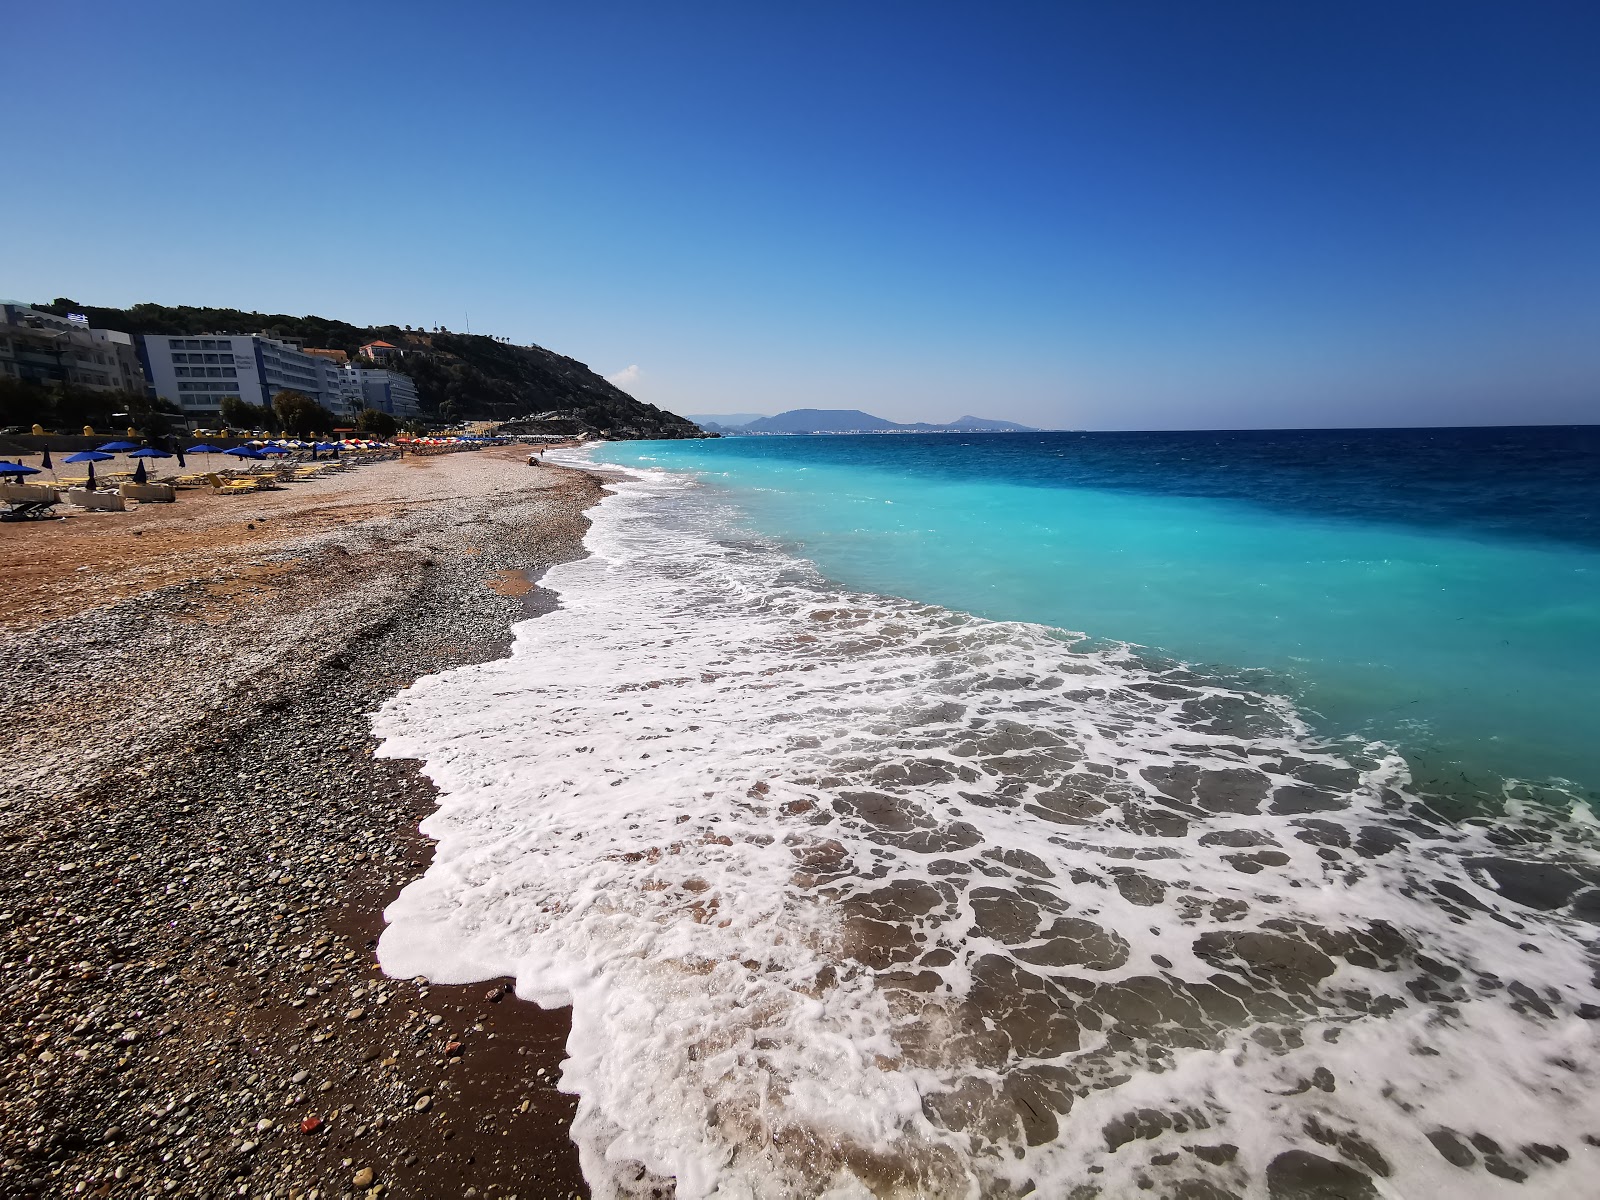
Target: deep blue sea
<point>1437,589</point>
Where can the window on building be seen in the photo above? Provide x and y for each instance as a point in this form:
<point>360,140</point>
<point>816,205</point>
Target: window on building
<point>227,358</point>
<point>192,343</point>
<point>229,373</point>
<point>174,343</point>
<point>181,372</point>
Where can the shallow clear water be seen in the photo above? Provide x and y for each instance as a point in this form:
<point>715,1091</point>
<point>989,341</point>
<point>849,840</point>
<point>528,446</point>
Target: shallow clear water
<point>854,894</point>
<point>1438,589</point>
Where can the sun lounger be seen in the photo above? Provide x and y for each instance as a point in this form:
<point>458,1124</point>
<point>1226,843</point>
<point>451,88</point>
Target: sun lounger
<point>146,492</point>
<point>27,501</point>
<point>230,487</point>
<point>101,501</point>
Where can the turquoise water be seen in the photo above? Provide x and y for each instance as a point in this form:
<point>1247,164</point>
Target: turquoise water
<point>1441,594</point>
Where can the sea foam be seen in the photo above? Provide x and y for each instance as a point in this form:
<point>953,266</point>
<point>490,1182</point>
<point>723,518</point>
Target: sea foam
<point>857,896</point>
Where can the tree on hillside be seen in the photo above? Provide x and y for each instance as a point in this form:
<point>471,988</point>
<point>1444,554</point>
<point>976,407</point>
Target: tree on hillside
<point>376,422</point>
<point>299,414</point>
<point>241,414</point>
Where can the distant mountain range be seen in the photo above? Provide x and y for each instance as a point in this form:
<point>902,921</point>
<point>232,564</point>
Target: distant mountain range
<point>842,420</point>
<point>715,421</point>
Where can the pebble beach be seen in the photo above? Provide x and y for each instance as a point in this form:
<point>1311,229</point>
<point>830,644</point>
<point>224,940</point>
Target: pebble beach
<point>199,844</point>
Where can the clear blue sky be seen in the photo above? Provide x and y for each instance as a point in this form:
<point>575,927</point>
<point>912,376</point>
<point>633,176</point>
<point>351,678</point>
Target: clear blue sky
<point>1104,215</point>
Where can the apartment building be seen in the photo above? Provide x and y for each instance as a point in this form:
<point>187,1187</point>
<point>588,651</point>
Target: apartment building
<point>199,373</point>
<point>343,394</point>
<point>43,348</point>
<point>387,391</point>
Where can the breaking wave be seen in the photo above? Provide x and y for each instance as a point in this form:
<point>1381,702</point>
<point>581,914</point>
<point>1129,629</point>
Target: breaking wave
<point>857,896</point>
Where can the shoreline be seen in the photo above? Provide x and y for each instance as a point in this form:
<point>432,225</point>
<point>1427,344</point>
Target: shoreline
<point>217,865</point>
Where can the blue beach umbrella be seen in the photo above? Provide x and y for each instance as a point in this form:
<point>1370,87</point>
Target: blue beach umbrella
<point>274,450</point>
<point>141,455</point>
<point>91,457</point>
<point>118,447</point>
<point>202,448</point>
<point>17,469</point>
<point>245,452</point>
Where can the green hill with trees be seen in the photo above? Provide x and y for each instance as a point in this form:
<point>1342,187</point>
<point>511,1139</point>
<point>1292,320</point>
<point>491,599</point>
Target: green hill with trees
<point>459,376</point>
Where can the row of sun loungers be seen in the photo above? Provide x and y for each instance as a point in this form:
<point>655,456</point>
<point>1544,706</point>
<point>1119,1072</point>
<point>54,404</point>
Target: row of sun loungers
<point>29,501</point>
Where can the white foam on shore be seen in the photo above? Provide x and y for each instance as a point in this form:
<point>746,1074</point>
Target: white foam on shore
<point>857,896</point>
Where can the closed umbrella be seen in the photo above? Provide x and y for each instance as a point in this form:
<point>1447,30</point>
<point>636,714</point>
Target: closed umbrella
<point>46,463</point>
<point>140,474</point>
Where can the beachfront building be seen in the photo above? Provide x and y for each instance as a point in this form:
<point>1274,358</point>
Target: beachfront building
<point>46,349</point>
<point>199,373</point>
<point>342,390</point>
<point>381,352</point>
<point>387,391</point>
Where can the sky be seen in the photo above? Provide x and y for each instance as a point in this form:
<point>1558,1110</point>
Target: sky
<point>1075,215</point>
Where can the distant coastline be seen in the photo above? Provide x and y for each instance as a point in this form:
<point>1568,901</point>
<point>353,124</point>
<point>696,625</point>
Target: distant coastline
<point>841,420</point>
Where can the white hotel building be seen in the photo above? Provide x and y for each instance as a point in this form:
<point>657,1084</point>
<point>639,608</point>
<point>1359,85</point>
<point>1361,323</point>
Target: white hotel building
<point>199,373</point>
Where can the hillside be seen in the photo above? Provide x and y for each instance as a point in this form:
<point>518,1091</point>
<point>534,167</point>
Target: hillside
<point>853,420</point>
<point>458,376</point>
<point>821,420</point>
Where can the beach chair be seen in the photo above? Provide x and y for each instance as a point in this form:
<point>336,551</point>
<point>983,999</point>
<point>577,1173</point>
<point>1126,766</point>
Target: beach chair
<point>229,487</point>
<point>27,501</point>
<point>99,501</point>
<point>162,493</point>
